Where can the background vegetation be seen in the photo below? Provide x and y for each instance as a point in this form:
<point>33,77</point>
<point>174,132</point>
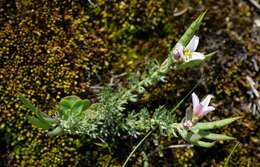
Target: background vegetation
<point>51,49</point>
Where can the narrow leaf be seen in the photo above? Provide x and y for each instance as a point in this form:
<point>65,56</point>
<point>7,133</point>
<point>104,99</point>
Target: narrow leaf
<point>56,131</point>
<point>214,124</point>
<point>42,117</point>
<point>203,144</point>
<point>45,117</point>
<point>209,55</point>
<point>193,63</point>
<point>214,136</point>
<point>38,123</point>
<point>186,37</point>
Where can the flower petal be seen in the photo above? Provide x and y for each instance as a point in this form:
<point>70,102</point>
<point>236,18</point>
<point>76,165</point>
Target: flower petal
<point>178,51</point>
<point>178,46</point>
<point>193,44</point>
<point>198,111</point>
<point>197,56</point>
<point>195,100</point>
<point>206,110</point>
<point>205,102</point>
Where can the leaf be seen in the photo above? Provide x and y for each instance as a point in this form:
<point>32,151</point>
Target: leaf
<point>186,37</point>
<point>69,101</point>
<point>44,117</point>
<point>39,123</point>
<point>203,144</point>
<point>77,107</point>
<point>56,131</point>
<point>209,55</point>
<point>194,139</point>
<point>214,136</point>
<point>50,120</point>
<point>214,124</point>
<point>41,116</point>
<point>65,105</point>
<point>86,103</point>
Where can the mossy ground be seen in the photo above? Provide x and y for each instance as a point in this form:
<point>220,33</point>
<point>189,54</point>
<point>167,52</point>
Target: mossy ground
<point>51,49</point>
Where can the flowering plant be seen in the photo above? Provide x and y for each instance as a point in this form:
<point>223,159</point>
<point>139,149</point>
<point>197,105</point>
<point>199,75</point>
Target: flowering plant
<point>80,116</point>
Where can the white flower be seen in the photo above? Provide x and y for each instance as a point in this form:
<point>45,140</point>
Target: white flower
<point>188,53</point>
<point>201,108</point>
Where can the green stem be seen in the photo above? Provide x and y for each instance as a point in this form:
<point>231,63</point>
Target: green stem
<point>229,156</point>
<point>130,155</point>
<point>188,94</point>
<point>164,67</point>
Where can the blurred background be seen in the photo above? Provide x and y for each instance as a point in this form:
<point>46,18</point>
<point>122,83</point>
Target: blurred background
<point>51,49</point>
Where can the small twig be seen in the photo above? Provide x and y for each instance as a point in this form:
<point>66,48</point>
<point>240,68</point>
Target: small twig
<point>179,13</point>
<point>91,3</point>
<point>255,4</point>
<point>114,77</point>
<point>180,146</point>
<point>96,88</point>
<point>252,85</point>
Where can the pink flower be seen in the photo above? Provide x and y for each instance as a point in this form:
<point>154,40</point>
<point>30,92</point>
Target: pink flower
<point>188,53</point>
<point>201,108</point>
